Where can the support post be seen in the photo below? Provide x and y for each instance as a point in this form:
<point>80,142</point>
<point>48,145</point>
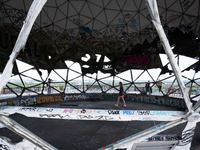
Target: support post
<point>33,12</point>
<point>153,9</point>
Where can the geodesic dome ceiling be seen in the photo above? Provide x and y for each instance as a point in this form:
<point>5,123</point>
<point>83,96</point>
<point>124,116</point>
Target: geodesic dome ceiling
<point>119,32</point>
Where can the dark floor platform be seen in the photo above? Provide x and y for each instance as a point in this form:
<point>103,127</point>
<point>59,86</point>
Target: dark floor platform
<point>90,135</point>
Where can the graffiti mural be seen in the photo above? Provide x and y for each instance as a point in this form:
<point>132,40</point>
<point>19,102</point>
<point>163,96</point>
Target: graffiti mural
<point>137,59</point>
<point>92,114</point>
<point>35,100</point>
<point>17,15</point>
<point>133,59</point>
<point>25,102</point>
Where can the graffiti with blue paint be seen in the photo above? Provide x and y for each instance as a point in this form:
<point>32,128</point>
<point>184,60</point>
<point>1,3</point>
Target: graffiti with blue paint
<point>128,112</point>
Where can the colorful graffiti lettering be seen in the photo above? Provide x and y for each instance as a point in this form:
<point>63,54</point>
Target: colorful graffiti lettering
<point>162,113</point>
<point>68,111</point>
<point>10,103</point>
<point>47,99</point>
<point>57,98</point>
<point>79,111</point>
<point>127,15</point>
<point>128,112</point>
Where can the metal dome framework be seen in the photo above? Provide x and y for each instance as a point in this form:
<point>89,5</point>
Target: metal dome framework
<point>121,32</point>
<point>113,30</point>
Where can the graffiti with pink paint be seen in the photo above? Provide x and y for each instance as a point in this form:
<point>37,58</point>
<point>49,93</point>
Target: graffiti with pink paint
<point>142,59</point>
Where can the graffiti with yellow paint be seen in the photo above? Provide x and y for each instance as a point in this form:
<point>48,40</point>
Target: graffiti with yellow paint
<point>46,99</point>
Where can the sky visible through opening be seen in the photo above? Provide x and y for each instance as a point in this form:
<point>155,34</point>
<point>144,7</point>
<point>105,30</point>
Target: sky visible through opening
<point>184,62</point>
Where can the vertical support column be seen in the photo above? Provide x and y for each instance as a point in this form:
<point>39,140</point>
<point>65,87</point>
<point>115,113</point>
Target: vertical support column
<point>153,9</point>
<point>33,12</point>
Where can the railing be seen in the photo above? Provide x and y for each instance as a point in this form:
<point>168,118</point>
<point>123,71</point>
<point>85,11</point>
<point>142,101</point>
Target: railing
<point>139,89</point>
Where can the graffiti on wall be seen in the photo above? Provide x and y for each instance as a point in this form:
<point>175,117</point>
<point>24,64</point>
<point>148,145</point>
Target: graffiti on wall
<point>163,138</point>
<point>93,114</point>
<point>130,139</point>
<point>140,59</point>
<point>34,100</point>
<point>168,101</point>
<point>16,16</point>
<point>24,102</point>
<point>186,4</point>
<point>147,112</point>
<point>46,99</point>
<point>187,137</point>
<point>75,97</point>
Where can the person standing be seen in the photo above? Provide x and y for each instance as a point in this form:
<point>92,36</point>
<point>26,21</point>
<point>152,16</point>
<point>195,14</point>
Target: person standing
<point>159,84</point>
<point>49,85</point>
<point>121,94</point>
<point>148,88</point>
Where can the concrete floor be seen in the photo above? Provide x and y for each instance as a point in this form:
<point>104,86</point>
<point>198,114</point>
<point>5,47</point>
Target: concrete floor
<point>90,135</point>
